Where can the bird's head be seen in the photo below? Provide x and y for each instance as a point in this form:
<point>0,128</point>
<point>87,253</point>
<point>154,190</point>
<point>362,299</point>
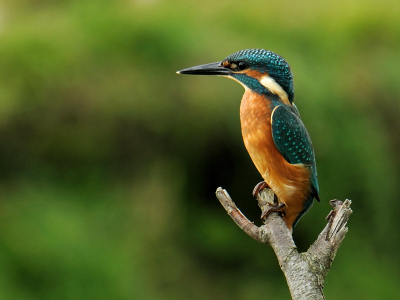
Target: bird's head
<point>259,70</point>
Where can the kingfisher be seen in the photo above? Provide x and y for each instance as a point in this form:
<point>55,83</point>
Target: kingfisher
<point>272,130</point>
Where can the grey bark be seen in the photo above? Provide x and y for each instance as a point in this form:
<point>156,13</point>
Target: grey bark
<point>305,272</point>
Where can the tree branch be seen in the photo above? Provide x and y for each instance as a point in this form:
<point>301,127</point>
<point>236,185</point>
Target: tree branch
<point>305,272</point>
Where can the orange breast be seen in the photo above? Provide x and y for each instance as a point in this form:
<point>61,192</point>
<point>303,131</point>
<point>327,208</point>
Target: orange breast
<point>290,182</point>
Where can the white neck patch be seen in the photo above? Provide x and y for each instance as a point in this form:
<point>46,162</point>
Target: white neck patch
<point>274,87</point>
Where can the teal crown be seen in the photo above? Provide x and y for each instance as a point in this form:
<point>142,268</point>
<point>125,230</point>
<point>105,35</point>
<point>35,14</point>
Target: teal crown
<point>267,62</point>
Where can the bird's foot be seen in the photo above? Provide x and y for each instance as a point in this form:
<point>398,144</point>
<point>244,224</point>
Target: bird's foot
<point>266,206</point>
<point>259,186</point>
<point>270,209</point>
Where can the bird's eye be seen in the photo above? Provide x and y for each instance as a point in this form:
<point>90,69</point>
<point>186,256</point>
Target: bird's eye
<point>242,66</point>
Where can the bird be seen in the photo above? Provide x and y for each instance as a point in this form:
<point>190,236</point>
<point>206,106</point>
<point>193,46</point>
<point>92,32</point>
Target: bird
<point>272,129</point>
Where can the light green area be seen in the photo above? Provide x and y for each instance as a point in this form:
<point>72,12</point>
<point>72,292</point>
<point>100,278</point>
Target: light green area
<point>109,160</point>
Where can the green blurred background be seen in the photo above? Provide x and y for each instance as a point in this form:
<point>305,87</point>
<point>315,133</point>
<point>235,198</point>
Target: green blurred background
<point>109,161</point>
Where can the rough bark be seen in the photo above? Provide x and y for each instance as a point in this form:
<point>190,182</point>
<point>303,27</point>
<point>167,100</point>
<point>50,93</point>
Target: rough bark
<point>305,272</point>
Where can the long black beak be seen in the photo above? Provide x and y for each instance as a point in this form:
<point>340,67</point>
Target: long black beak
<point>208,69</point>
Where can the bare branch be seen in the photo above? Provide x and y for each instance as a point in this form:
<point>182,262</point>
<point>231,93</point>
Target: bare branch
<point>305,272</point>
<point>237,216</point>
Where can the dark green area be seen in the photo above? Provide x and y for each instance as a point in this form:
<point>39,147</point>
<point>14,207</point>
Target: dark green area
<point>109,160</point>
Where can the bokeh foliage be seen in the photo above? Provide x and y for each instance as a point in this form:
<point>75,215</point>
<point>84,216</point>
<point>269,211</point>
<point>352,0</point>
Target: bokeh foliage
<point>109,160</point>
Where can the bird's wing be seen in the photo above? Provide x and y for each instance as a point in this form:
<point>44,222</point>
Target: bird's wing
<point>295,110</point>
<point>293,141</point>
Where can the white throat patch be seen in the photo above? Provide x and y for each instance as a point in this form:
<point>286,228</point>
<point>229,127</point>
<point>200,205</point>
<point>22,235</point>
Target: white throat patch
<point>274,87</point>
<point>241,83</point>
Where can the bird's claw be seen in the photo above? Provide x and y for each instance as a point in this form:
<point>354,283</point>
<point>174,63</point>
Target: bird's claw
<point>259,186</point>
<point>277,208</point>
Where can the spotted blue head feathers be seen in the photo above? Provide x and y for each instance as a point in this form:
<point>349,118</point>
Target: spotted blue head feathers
<point>265,62</point>
<point>259,70</point>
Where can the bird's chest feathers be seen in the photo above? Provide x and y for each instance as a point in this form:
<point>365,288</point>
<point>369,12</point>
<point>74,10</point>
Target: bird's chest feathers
<point>255,118</point>
<point>290,182</point>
